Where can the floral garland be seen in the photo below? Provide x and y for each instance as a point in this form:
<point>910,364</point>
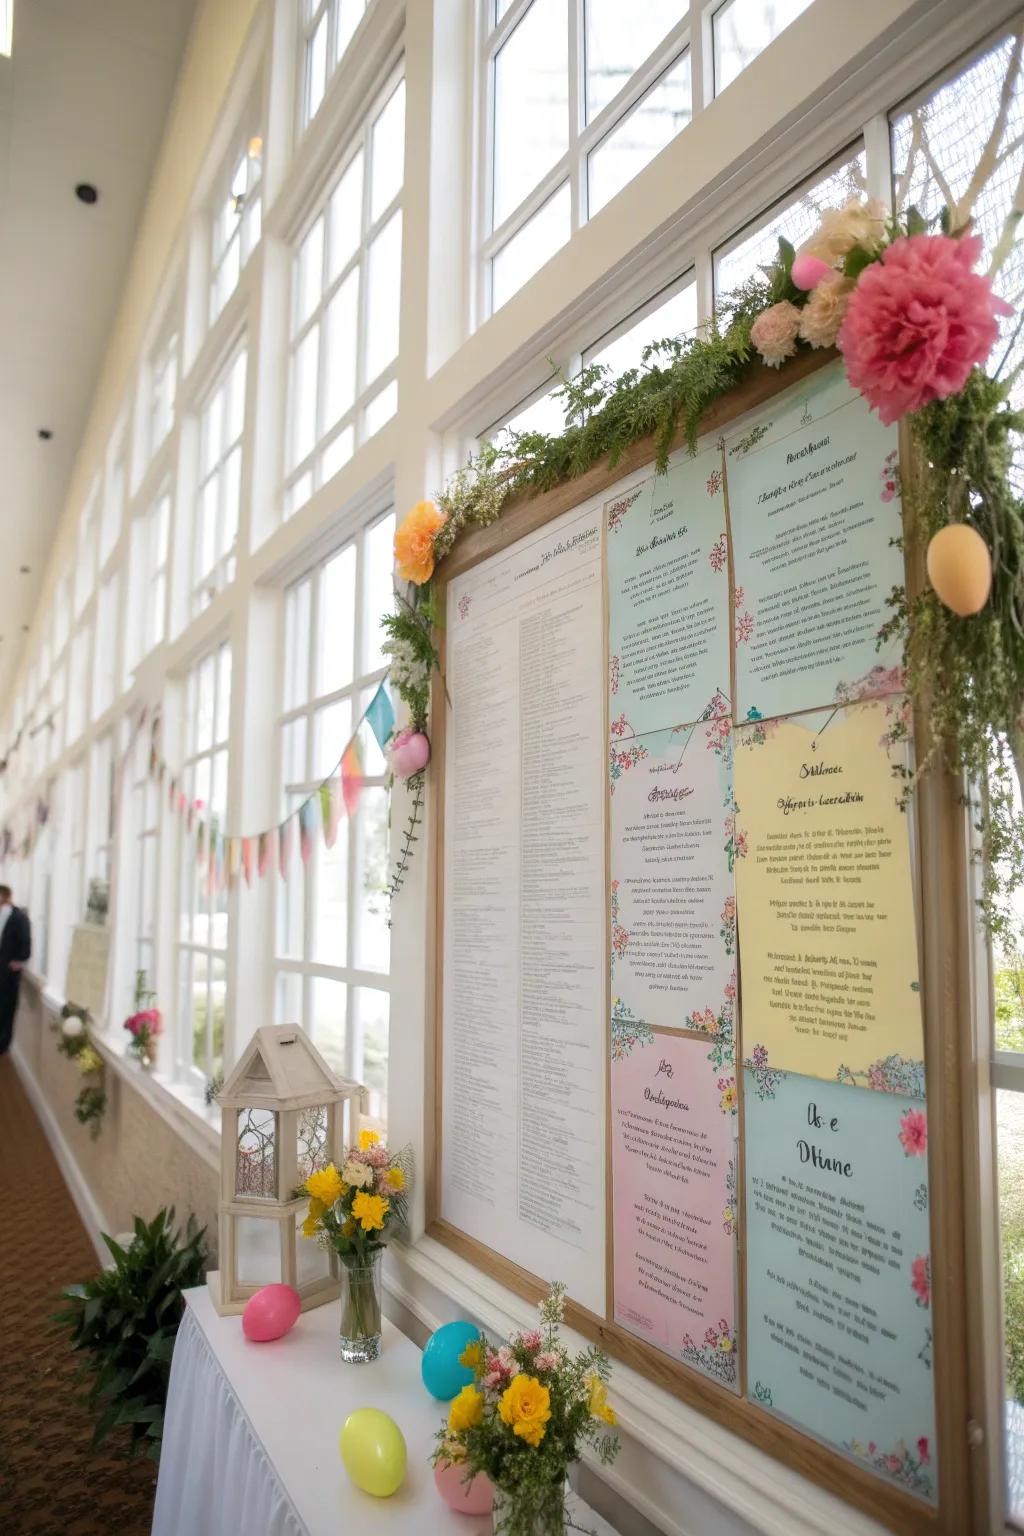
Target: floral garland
<point>915,324</point>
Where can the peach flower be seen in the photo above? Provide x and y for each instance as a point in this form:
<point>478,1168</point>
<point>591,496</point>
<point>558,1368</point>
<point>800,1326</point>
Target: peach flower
<point>414,542</point>
<point>774,333</point>
<point>825,310</point>
<point>861,221</point>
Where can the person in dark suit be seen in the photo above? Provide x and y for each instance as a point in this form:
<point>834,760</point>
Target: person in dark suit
<point>15,949</point>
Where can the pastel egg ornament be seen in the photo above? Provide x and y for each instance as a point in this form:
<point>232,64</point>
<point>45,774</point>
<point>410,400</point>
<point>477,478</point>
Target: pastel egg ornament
<point>466,1498</point>
<point>373,1450</point>
<point>443,1375</point>
<point>410,753</point>
<point>270,1313</point>
<point>807,271</point>
<point>959,567</point>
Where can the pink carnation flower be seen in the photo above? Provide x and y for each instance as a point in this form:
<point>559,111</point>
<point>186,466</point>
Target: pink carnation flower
<point>774,333</point>
<point>547,1360</point>
<point>531,1341</point>
<point>917,322</point>
<point>914,1133</point>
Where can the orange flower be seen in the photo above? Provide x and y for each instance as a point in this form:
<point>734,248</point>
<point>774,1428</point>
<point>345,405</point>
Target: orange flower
<point>414,542</point>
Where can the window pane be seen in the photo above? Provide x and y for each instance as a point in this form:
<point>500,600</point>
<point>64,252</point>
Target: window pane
<point>337,621</point>
<point>379,588</point>
<point>381,408</point>
<point>304,393</point>
<point>346,217</point>
<point>288,998</point>
<point>309,273</point>
<point>372,1010</point>
<point>744,28</point>
<point>223,692</point>
<point>384,298</point>
<point>316,68</point>
<point>337,453</point>
<point>796,220</point>
<point>293,754</point>
<point>618,40</point>
<point>296,643</point>
<point>350,14</point>
<point>330,1021</point>
<point>1010,1125</point>
<point>388,151</point>
<point>332,728</point>
<point>527,251</point>
<point>623,153</point>
<point>676,317</point>
<point>373,936</point>
<point>330,933</point>
<point>342,330</point>
<point>531,104</point>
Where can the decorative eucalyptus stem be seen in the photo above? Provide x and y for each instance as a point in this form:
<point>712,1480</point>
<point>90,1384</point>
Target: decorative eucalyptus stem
<point>415,783</point>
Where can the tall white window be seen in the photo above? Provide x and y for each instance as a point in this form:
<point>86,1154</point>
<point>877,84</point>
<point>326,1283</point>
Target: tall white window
<point>237,218</point>
<point>104,666</point>
<point>203,928</point>
<point>144,844</point>
<point>85,564</point>
<point>327,29</point>
<point>147,612</point>
<point>741,29</point>
<point>75,839</point>
<point>79,664</point>
<point>214,547</point>
<point>61,616</point>
<point>160,388</point>
<point>101,808</point>
<point>333,946</point>
<point>114,496</point>
<point>345,305</point>
<point>579,97</point>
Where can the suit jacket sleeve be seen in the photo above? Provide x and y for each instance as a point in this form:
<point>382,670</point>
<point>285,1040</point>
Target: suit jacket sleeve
<point>23,938</point>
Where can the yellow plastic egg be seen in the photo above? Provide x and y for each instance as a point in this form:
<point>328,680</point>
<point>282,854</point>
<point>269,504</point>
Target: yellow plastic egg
<point>960,568</point>
<point>373,1449</point>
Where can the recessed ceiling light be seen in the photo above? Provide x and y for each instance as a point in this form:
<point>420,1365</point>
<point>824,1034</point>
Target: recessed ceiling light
<point>24,629</point>
<point>25,569</point>
<point>6,26</point>
<point>86,192</point>
<point>44,432</point>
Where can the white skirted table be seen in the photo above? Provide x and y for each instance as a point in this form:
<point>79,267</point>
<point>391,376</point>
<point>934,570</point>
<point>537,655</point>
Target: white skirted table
<point>250,1442</point>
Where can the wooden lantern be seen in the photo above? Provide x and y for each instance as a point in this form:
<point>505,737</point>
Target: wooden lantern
<point>283,1114</point>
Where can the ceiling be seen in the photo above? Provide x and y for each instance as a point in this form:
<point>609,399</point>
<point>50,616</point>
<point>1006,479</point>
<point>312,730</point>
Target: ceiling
<point>82,99</point>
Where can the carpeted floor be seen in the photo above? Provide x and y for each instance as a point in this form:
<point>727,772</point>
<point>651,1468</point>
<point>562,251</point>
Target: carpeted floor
<point>52,1483</point>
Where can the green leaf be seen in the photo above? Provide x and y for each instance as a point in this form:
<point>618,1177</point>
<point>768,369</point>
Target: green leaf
<point>857,259</point>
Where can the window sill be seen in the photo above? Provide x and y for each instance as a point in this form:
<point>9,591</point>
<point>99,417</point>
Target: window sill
<point>180,1105</point>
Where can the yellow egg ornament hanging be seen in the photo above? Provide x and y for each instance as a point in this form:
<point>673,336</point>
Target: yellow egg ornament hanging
<point>960,568</point>
<point>373,1449</point>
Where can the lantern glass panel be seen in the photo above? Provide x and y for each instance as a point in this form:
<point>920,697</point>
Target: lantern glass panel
<point>258,1250</point>
<point>312,1140</point>
<point>312,1263</point>
<point>256,1154</point>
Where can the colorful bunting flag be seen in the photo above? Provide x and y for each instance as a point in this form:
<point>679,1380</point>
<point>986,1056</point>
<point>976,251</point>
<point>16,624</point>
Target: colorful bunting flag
<point>306,829</point>
<point>284,847</point>
<point>352,775</point>
<point>326,813</point>
<point>234,854</point>
<point>380,713</point>
<point>264,854</point>
<point>247,859</point>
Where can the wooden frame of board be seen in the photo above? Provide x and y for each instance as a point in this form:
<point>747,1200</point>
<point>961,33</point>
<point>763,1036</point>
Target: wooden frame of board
<point>945,986</point>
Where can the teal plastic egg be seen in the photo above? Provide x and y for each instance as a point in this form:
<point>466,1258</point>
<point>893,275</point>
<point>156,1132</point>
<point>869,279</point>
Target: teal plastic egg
<point>443,1376</point>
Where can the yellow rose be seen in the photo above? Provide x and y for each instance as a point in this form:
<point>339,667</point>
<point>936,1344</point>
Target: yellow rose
<point>368,1139</point>
<point>311,1226</point>
<point>467,1410</point>
<point>525,1405</point>
<point>414,542</point>
<point>599,1406</point>
<point>472,1355</point>
<point>369,1211</point>
<point>395,1179</point>
<point>326,1184</point>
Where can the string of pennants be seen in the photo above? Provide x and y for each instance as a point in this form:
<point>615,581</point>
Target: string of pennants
<point>224,857</point>
<point>227,858</point>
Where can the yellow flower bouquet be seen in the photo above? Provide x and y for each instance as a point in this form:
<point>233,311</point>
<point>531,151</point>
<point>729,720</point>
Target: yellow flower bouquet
<point>354,1212</point>
<point>525,1418</point>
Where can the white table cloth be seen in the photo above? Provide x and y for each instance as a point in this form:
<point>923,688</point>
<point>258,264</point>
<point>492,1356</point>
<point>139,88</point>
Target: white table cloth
<point>250,1442</point>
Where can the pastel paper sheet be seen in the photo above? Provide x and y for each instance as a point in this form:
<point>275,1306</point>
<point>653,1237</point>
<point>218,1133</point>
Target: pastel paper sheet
<point>825,899</point>
<point>674,1173</point>
<point>813,508</point>
<point>673,906</point>
<point>839,1323</point>
<point>668,594</point>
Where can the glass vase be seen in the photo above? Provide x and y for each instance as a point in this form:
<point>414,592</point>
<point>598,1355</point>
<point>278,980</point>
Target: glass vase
<point>360,1306</point>
<point>543,1516</point>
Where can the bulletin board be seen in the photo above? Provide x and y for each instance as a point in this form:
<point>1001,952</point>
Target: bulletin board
<point>693,1018</point>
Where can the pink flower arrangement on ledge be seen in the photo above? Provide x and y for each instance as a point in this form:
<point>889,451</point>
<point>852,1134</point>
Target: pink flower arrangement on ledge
<point>907,310</point>
<point>145,1025</point>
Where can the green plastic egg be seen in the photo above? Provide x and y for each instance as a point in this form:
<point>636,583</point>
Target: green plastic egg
<point>373,1449</point>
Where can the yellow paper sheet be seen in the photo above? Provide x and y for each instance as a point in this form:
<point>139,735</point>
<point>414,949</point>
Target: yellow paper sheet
<point>828,949</point>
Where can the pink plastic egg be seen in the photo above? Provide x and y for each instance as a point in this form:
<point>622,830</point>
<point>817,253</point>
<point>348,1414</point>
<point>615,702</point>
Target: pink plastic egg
<point>475,1498</point>
<point>808,271</point>
<point>410,751</point>
<point>270,1313</point>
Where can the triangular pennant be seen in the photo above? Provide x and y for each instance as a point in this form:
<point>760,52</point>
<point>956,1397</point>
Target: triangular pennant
<point>200,842</point>
<point>172,792</point>
<point>352,775</point>
<point>247,859</point>
<point>380,713</point>
<point>233,861</point>
<point>327,822</point>
<point>306,829</point>
<point>263,854</point>
<point>284,847</point>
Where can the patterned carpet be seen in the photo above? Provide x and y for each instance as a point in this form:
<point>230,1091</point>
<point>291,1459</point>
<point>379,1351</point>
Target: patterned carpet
<point>52,1483</point>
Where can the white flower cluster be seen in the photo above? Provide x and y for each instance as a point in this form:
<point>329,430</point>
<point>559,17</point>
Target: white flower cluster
<point>408,669</point>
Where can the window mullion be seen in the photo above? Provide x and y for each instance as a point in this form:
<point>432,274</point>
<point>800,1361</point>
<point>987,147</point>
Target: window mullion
<point>577,96</point>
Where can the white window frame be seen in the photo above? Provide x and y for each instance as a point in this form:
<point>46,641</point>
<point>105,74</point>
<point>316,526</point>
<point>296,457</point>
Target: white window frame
<point>316,12</point>
<point>206,584</point>
<point>244,163</point>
